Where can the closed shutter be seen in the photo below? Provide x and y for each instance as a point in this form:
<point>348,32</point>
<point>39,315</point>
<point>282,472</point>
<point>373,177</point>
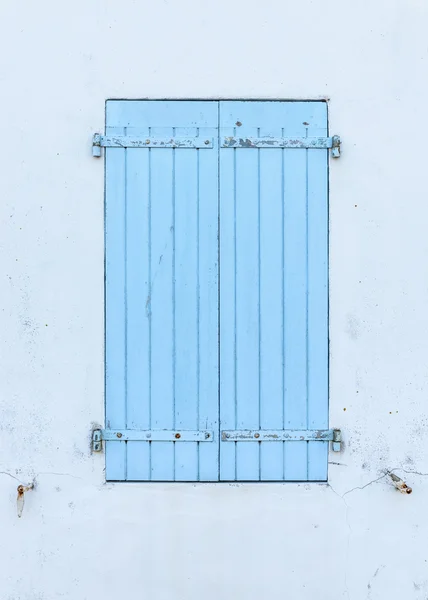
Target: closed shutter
<point>273,292</point>
<point>216,291</point>
<point>162,292</point>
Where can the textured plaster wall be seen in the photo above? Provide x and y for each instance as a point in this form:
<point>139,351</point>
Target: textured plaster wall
<point>80,538</point>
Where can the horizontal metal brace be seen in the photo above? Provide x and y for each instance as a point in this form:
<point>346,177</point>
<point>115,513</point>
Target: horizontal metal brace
<point>315,143</point>
<point>130,141</point>
<point>283,435</point>
<point>155,435</point>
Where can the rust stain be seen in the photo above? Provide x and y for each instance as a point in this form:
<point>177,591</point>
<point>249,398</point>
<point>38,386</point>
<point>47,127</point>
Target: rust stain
<point>400,484</point>
<point>21,496</point>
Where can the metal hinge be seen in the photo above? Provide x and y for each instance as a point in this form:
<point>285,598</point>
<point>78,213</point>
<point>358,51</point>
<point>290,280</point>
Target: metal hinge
<point>285,435</point>
<point>245,435</point>
<point>130,141</point>
<point>335,146</point>
<point>308,143</point>
<point>126,141</point>
<point>146,435</point>
<point>97,443</point>
<point>336,445</point>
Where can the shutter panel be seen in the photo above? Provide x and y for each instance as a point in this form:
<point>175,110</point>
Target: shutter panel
<point>162,293</point>
<point>273,292</point>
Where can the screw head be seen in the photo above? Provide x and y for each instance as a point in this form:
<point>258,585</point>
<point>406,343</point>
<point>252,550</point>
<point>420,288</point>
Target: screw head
<point>207,142</point>
<point>177,436</point>
<point>257,435</point>
<point>119,435</point>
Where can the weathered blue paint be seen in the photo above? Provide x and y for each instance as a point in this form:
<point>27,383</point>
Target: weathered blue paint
<point>320,143</point>
<point>128,141</point>
<point>278,435</point>
<point>162,291</point>
<point>273,290</point>
<point>165,231</point>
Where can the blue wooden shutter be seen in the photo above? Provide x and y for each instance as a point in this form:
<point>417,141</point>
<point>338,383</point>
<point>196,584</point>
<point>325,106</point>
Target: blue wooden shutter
<point>273,292</point>
<point>162,292</point>
<point>162,289</point>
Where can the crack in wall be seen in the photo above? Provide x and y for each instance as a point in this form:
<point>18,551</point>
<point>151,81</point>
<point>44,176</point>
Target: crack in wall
<point>34,477</point>
<point>348,524</point>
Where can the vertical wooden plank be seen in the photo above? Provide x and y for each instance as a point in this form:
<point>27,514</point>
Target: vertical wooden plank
<point>295,302</point>
<point>271,306</point>
<point>280,284</point>
<point>137,293</point>
<point>115,240</point>
<point>227,286</point>
<point>247,305</point>
<point>164,291</point>
<point>186,318</point>
<point>318,299</point>
<point>161,304</point>
<point>295,322</point>
<point>208,313</point>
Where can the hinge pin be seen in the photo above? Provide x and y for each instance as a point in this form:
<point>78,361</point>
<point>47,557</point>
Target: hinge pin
<point>96,145</point>
<point>97,444</point>
<point>337,440</point>
<point>335,146</point>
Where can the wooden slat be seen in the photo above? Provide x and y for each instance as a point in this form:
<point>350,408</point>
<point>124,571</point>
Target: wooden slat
<point>207,308</point>
<point>271,306</point>
<point>115,228</point>
<point>186,307</point>
<point>318,303</point>
<point>138,318</point>
<point>228,293</point>
<point>295,310</point>
<point>162,304</point>
<point>162,345</point>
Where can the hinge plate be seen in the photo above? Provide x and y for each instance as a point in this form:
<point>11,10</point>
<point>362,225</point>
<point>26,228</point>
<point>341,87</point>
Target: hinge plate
<point>126,141</point>
<point>97,444</point>
<point>156,435</point>
<point>308,143</point>
<point>131,141</point>
<point>285,435</point>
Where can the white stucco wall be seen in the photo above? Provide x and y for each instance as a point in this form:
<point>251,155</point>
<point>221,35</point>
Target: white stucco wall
<point>80,538</point>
